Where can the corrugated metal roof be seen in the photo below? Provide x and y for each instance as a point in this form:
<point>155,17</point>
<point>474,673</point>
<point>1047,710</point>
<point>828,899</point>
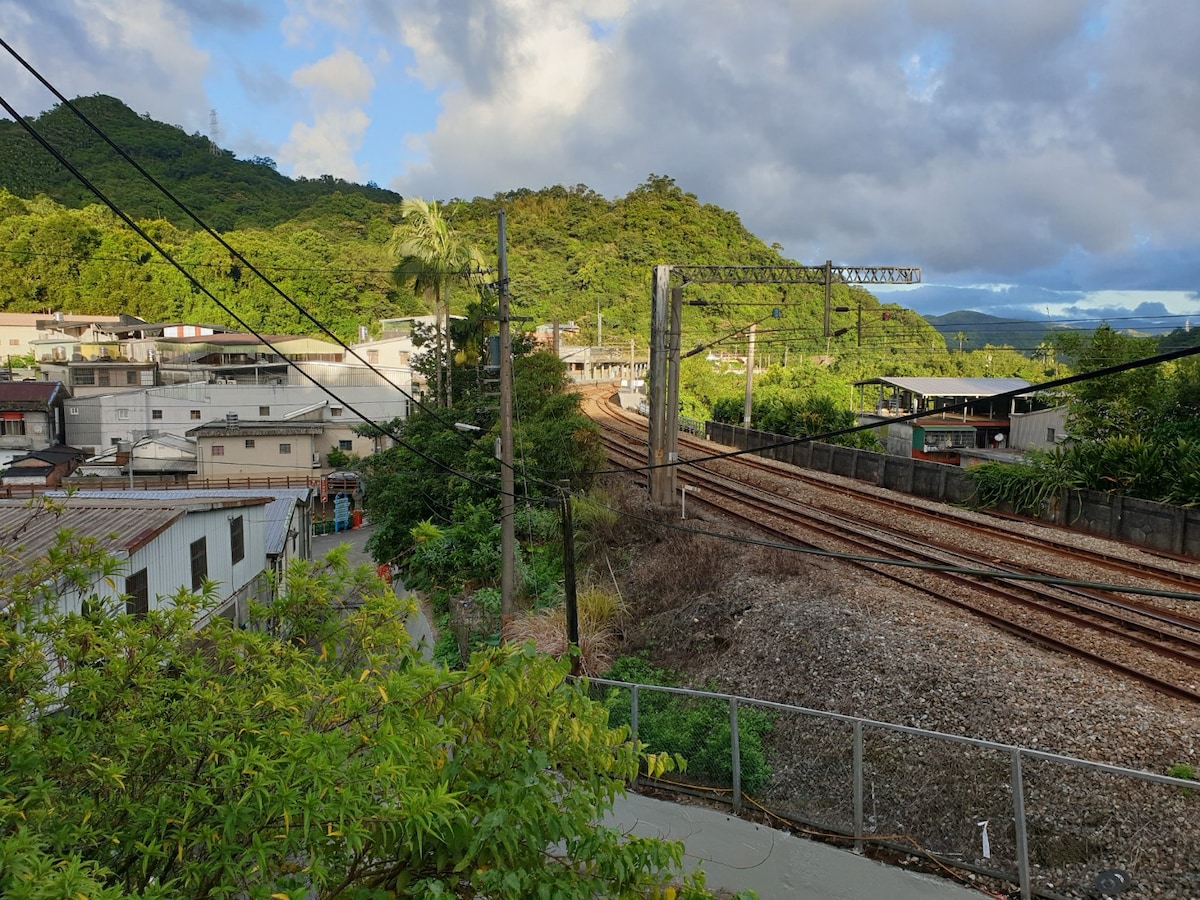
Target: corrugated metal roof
<point>26,532</point>
<point>34,394</point>
<point>277,513</point>
<point>952,387</point>
<point>255,428</point>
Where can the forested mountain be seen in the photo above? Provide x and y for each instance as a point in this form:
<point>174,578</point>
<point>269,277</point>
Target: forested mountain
<point>572,252</point>
<point>574,255</point>
<point>226,192</point>
<point>974,330</point>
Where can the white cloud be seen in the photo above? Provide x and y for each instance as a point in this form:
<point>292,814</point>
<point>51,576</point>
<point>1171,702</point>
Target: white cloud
<point>139,51</point>
<point>992,139</point>
<point>342,77</point>
<point>337,87</point>
<point>327,147</point>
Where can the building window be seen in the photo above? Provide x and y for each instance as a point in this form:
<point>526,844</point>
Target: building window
<point>195,414</point>
<point>335,411</point>
<point>285,449</point>
<point>103,378</point>
<point>156,413</point>
<point>122,414</point>
<point>372,356</point>
<point>218,450</point>
<point>84,376</point>
<point>137,594</point>
<point>346,445</point>
<point>249,443</point>
<point>199,554</point>
<point>13,422</point>
<point>237,539</point>
<point>1049,435</point>
<point>14,342</point>
<point>264,411</point>
<point>73,410</point>
<point>131,377</point>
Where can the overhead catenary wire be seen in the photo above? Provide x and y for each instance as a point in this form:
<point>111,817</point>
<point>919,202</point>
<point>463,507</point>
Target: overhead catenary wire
<point>944,568</point>
<point>451,470</point>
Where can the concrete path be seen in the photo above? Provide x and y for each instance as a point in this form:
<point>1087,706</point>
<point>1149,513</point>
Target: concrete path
<point>418,625</point>
<point>734,854</point>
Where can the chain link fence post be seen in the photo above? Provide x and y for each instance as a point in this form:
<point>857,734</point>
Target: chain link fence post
<point>736,750</point>
<point>633,725</point>
<point>858,785</point>
<point>1018,793</point>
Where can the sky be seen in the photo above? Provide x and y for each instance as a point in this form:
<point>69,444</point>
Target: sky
<point>1036,158</point>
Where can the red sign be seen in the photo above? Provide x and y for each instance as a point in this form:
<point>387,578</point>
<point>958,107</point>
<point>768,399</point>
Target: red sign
<point>324,489</point>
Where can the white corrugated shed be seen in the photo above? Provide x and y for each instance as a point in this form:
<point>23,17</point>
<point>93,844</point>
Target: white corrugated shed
<point>951,387</point>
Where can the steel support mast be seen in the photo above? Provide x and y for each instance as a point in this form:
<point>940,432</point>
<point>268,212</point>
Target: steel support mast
<point>666,314</point>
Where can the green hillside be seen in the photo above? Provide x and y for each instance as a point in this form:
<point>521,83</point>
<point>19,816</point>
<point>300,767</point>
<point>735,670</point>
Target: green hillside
<point>572,252</point>
<point>226,192</point>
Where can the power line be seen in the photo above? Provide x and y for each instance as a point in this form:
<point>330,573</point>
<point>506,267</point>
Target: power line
<point>188,212</point>
<point>135,261</point>
<point>63,161</point>
<point>1036,388</point>
<point>989,574</point>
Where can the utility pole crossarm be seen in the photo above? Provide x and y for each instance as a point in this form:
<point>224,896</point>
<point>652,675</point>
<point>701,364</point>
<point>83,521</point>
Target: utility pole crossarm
<point>795,274</point>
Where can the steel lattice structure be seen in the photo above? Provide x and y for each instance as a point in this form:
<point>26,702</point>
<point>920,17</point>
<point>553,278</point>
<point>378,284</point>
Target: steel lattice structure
<point>666,314</point>
<point>796,274</point>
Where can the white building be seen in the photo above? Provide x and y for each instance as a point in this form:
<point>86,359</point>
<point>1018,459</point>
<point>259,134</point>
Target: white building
<point>162,545</point>
<point>287,514</point>
<point>97,422</point>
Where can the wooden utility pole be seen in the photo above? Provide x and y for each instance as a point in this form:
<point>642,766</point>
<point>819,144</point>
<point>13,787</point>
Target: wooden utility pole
<point>508,540</point>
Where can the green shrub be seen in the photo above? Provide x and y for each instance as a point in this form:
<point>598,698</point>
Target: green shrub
<point>445,651</point>
<point>697,728</point>
<point>1182,770</point>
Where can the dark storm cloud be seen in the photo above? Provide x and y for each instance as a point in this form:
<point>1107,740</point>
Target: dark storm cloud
<point>1024,139</point>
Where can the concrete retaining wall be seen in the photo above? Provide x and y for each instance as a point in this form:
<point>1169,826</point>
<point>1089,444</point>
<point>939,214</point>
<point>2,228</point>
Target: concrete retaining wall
<point>1156,525</point>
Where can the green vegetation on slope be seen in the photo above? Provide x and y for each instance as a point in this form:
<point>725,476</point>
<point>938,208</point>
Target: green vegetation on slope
<point>225,192</point>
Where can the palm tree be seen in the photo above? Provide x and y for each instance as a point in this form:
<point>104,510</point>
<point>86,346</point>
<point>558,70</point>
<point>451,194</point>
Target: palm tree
<point>430,256</point>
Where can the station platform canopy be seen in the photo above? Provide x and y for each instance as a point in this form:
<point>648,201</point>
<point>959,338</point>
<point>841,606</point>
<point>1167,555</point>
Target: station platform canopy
<point>966,388</point>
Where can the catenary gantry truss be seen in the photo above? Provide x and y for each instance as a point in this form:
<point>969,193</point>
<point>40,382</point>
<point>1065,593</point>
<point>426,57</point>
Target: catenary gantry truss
<point>665,326</point>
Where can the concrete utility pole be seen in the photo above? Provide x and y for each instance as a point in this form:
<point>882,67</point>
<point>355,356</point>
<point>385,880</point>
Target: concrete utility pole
<point>665,317</point>
<point>749,375</point>
<point>508,540</point>
<point>662,480</point>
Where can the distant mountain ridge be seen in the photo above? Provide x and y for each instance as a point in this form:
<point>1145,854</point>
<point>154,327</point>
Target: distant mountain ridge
<point>226,192</point>
<point>978,330</point>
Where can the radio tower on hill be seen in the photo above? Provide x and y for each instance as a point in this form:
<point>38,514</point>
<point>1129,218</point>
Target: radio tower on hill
<point>214,133</point>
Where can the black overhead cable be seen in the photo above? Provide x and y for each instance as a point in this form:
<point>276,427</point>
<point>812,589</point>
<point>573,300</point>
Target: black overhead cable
<point>83,179</point>
<point>213,234</point>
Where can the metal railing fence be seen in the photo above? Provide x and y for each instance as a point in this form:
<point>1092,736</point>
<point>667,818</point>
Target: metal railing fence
<point>1057,827</point>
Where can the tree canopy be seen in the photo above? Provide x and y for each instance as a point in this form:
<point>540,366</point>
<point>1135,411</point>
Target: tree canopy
<point>314,754</point>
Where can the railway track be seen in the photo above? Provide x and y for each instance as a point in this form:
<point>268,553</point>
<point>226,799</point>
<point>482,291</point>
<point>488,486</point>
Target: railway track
<point>1144,639</point>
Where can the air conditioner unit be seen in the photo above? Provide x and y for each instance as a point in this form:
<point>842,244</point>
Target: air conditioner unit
<point>316,461</point>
